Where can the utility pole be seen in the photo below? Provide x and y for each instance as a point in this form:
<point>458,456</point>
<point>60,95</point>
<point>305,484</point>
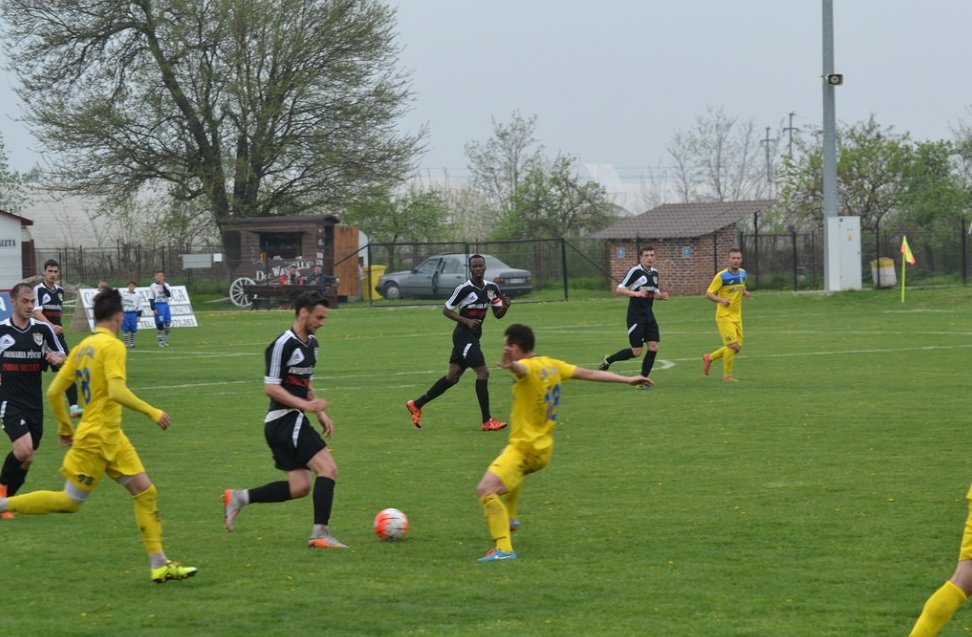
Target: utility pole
<point>766,141</point>
<point>789,133</point>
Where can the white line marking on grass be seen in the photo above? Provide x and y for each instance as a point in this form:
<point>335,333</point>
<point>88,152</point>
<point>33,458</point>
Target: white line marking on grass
<point>914,311</point>
<point>885,350</point>
<point>193,385</point>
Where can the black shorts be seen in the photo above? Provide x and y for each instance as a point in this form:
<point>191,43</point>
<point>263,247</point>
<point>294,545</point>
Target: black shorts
<point>643,332</point>
<point>18,422</point>
<point>466,353</point>
<point>293,441</point>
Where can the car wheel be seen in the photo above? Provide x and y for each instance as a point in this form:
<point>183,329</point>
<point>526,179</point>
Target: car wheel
<point>391,292</point>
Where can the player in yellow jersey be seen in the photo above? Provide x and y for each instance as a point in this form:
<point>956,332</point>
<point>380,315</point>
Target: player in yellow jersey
<point>727,290</point>
<point>99,446</point>
<point>536,400</point>
<point>943,603</point>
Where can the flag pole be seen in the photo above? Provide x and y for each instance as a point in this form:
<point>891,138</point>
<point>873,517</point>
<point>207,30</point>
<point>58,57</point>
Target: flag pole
<point>903,270</point>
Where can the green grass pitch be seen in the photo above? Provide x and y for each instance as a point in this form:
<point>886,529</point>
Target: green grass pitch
<point>821,495</point>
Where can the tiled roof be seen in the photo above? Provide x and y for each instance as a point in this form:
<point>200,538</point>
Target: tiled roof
<point>683,220</point>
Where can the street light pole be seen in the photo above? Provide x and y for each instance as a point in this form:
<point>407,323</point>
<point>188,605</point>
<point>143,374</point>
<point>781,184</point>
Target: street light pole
<point>829,149</point>
<point>829,115</point>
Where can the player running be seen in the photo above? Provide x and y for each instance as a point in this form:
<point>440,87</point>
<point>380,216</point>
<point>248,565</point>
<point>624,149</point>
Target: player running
<point>467,307</point>
<point>297,448</point>
<point>640,285</point>
<point>25,344</point>
<point>536,401</point>
<point>99,447</point>
<point>728,289</point>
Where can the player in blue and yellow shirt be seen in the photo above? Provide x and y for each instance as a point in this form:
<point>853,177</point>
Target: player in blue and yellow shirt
<point>99,446</point>
<point>727,290</point>
<point>533,416</point>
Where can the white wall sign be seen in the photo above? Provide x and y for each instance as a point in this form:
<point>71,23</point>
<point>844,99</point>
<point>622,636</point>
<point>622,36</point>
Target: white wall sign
<point>179,306</point>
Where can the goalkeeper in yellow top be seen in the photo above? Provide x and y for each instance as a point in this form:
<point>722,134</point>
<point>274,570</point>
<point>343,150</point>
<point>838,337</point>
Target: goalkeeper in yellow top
<point>536,401</point>
<point>99,446</point>
<point>727,290</point>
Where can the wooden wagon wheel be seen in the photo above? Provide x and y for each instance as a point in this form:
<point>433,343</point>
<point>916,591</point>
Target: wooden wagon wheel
<point>238,293</point>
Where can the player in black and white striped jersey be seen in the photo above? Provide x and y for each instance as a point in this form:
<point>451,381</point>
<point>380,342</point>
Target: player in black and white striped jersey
<point>641,286</point>
<point>467,307</point>
<point>25,345</point>
<point>49,308</point>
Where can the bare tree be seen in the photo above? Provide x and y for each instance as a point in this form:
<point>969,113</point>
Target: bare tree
<point>499,165</point>
<point>252,107</point>
<point>720,159</point>
<point>13,192</point>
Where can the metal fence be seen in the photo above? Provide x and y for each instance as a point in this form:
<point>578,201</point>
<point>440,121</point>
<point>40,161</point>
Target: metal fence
<point>795,261</point>
<point>789,261</point>
<point>120,263</point>
<point>555,265</point>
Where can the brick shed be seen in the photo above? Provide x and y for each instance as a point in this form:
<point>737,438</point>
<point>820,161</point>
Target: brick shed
<point>691,241</point>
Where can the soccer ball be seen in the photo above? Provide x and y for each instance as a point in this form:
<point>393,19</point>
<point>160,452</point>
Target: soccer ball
<point>391,524</point>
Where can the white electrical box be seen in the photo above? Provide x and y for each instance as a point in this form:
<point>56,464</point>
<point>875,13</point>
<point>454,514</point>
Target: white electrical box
<point>843,253</point>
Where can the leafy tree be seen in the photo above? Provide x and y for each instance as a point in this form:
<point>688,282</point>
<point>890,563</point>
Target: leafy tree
<point>499,165</point>
<point>554,203</point>
<point>250,107</point>
<point>934,197</point>
<point>414,216</point>
<point>872,164</point>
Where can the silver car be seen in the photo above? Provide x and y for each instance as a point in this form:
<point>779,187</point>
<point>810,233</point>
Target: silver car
<point>438,276</point>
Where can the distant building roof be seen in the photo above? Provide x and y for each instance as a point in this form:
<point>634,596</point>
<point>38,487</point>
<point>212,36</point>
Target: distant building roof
<point>680,220</point>
<point>23,221</point>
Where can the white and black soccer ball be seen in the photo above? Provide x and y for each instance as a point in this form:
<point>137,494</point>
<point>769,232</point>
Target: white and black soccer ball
<point>391,524</point>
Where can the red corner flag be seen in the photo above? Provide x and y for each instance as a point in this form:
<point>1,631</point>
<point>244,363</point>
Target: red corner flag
<point>906,251</point>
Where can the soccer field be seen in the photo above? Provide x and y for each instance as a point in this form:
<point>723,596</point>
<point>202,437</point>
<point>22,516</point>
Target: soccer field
<point>821,495</point>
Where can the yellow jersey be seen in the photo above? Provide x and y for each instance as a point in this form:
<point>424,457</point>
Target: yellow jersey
<point>730,286</point>
<point>536,401</point>
<point>91,364</point>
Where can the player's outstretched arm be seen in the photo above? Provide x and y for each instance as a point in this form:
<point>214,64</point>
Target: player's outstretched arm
<point>119,392</point>
<point>609,377</point>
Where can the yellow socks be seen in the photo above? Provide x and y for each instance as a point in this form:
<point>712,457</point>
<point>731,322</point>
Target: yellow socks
<point>727,364</point>
<point>148,519</point>
<point>938,610</point>
<point>717,354</point>
<point>512,500</point>
<point>498,521</point>
<point>39,502</point>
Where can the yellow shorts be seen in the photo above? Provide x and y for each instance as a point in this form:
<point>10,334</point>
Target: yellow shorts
<point>513,464</point>
<point>730,331</point>
<point>965,553</point>
<point>84,468</point>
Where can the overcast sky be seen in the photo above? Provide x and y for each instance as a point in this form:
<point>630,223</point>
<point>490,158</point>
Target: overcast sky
<point>610,81</point>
